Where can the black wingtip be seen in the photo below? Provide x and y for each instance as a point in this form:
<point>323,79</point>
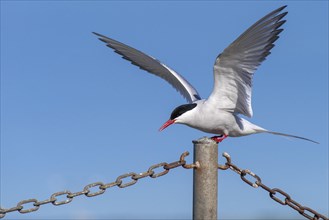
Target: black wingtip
<point>96,33</point>
<point>282,7</point>
<point>99,35</point>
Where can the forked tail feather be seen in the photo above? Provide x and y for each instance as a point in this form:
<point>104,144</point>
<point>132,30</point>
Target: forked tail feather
<point>289,135</point>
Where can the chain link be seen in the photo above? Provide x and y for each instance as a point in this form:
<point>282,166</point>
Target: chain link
<point>273,193</point>
<point>98,188</point>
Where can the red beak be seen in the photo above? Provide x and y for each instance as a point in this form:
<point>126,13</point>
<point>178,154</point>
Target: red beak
<point>169,122</point>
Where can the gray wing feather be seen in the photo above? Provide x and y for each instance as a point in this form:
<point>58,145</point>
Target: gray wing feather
<point>235,67</point>
<point>153,66</point>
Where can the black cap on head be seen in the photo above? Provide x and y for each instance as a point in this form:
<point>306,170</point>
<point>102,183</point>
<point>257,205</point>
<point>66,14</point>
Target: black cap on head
<point>181,110</point>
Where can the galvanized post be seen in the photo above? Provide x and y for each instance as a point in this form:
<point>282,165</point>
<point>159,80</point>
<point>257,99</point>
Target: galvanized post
<point>205,179</point>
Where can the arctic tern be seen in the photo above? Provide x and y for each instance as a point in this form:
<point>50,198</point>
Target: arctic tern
<point>233,72</point>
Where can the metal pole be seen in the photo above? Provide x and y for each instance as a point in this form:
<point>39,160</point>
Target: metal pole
<point>205,179</point>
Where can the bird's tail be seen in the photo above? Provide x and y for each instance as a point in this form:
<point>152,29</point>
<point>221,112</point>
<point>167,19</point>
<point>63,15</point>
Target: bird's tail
<point>288,135</point>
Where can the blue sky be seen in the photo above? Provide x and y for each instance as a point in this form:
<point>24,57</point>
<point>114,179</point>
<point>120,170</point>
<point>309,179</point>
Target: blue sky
<point>73,112</point>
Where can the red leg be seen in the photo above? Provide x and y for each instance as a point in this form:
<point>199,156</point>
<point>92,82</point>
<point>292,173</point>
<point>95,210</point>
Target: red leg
<point>219,139</point>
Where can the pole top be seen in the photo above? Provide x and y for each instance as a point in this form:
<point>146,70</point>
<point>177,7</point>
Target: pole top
<point>204,140</point>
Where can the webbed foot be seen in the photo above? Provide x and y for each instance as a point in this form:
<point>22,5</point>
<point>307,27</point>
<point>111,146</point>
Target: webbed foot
<point>219,139</point>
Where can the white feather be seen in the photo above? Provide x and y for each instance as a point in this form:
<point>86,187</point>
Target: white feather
<point>235,67</point>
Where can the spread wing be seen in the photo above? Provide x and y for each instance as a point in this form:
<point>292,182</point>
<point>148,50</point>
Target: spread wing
<point>235,67</point>
<point>153,66</point>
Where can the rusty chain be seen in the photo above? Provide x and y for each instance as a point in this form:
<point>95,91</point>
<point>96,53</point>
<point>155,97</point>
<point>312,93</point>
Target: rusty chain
<point>99,186</point>
<point>134,177</point>
<point>303,210</point>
